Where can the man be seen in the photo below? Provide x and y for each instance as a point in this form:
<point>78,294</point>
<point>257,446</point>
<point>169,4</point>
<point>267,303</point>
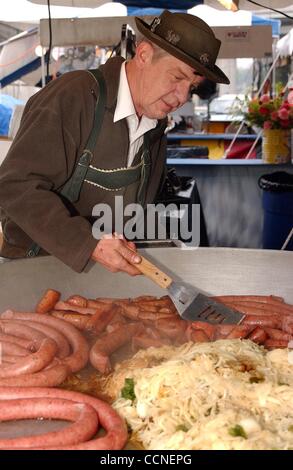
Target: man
<point>65,158</point>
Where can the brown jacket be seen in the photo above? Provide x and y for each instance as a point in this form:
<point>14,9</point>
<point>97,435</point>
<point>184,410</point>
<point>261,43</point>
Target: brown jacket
<point>54,130</point>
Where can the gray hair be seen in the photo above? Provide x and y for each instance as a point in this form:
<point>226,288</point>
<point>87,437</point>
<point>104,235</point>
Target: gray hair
<point>158,51</point>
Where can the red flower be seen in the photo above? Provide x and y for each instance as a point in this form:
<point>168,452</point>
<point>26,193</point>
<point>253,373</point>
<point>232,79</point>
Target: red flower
<point>264,111</point>
<point>283,114</point>
<point>285,105</point>
<point>285,124</point>
<point>274,115</point>
<point>265,99</point>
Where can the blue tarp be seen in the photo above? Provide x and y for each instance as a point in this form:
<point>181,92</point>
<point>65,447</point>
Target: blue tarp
<point>135,11</point>
<point>276,24</point>
<point>7,104</point>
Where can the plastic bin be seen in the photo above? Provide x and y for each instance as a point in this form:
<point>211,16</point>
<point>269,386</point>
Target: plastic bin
<point>278,209</point>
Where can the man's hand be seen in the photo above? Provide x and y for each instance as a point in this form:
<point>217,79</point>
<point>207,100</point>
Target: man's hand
<point>117,254</point>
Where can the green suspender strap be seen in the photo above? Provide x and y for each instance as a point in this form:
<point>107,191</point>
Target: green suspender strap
<point>71,190</point>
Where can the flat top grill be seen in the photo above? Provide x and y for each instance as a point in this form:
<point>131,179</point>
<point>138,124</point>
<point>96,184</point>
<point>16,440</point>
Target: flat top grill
<point>217,271</point>
<point>213,270</point>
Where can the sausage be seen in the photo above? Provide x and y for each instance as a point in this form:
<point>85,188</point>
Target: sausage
<point>51,377</point>
<point>257,298</point>
<point>32,363</point>
<point>25,343</point>
<point>277,306</point>
<point>84,418</point>
<point>102,318</point>
<point>222,331</point>
<point>164,301</point>
<point>107,300</point>
<point>258,335</point>
<point>144,298</point>
<point>276,344</point>
<point>209,329</point>
<point>273,333</point>
<point>153,332</point>
<point>74,308</point>
<point>114,425</point>
<point>117,318</point>
<point>11,348</point>
<point>99,305</point>
<point>59,338</point>
<point>199,336</point>
<point>114,326</point>
<point>47,302</point>
<point>80,321</point>
<point>15,328</point>
<point>171,311</point>
<point>9,359</point>
<point>77,300</point>
<point>129,311</point>
<point>258,308</point>
<point>86,322</point>
<point>270,321</point>
<point>79,357</point>
<point>107,344</point>
<point>148,308</point>
<point>151,317</point>
<point>171,327</point>
<point>287,324</point>
<point>239,331</point>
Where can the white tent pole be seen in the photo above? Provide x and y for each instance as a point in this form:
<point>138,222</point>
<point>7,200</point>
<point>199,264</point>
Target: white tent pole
<point>274,69</point>
<point>254,145</point>
<point>258,93</point>
<point>268,74</point>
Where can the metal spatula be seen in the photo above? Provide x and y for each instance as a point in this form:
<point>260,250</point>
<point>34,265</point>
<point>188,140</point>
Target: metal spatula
<point>189,302</point>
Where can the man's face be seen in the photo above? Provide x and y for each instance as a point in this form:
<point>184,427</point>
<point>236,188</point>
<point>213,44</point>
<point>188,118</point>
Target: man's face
<point>164,86</point>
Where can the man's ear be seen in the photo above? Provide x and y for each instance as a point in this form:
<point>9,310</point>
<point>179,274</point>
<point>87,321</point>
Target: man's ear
<point>144,54</point>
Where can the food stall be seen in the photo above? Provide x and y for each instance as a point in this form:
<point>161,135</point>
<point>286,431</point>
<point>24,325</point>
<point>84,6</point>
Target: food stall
<point>239,389</point>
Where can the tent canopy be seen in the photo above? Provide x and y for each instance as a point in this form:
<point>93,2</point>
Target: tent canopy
<point>170,4</point>
<point>285,44</point>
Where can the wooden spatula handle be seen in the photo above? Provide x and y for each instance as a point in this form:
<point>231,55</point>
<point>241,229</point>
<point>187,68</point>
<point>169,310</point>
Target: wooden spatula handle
<point>155,274</point>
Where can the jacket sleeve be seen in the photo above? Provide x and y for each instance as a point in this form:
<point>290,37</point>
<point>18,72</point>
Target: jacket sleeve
<point>41,159</point>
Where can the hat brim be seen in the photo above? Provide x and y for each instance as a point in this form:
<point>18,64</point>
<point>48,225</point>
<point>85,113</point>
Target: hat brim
<point>212,73</point>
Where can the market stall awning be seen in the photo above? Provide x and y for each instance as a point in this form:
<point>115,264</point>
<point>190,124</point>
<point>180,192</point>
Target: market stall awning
<point>170,4</point>
<point>18,56</point>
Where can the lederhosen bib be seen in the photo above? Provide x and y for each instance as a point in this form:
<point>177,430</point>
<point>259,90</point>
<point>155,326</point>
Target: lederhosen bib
<point>109,180</point>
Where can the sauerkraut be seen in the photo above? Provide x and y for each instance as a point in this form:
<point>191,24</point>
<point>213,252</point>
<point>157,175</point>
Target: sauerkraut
<point>229,394</point>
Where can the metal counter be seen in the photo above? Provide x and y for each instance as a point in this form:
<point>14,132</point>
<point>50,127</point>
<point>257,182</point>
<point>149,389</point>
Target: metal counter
<point>213,270</point>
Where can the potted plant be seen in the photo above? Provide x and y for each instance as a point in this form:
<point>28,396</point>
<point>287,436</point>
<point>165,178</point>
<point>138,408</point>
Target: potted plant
<point>275,117</point>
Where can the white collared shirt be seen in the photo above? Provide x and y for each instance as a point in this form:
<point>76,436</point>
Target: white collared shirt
<point>125,110</point>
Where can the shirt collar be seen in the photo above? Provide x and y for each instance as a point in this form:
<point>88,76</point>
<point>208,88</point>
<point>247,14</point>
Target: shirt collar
<point>125,107</point>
